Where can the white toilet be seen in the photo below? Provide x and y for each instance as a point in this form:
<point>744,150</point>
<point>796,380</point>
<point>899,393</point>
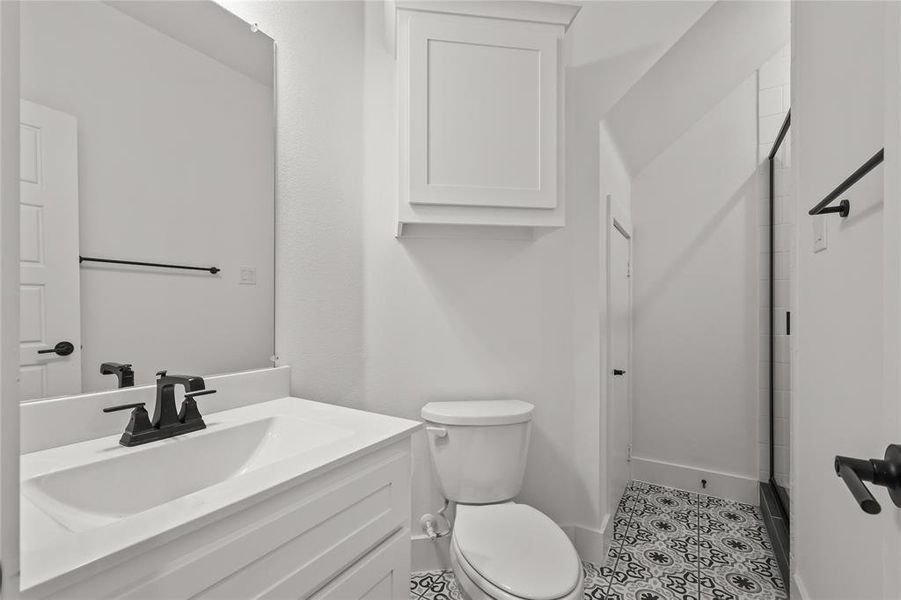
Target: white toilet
<point>500,550</point>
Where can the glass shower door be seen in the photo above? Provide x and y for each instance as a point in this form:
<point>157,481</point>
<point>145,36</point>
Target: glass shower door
<point>782,257</point>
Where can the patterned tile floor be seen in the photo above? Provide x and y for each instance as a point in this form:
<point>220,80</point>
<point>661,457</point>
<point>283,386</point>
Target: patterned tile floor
<point>668,545</point>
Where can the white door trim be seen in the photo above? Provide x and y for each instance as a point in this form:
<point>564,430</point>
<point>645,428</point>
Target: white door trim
<point>9,299</point>
<point>891,433</point>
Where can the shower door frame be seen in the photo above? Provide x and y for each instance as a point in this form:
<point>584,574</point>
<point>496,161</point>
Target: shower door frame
<point>783,500</point>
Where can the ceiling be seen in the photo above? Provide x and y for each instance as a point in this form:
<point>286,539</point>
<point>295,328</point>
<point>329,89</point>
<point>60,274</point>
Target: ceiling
<point>612,44</point>
<point>604,30</point>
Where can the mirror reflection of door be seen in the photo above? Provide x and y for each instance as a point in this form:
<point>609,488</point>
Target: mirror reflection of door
<point>48,253</point>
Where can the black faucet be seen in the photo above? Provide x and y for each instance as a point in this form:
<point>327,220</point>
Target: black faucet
<point>122,371</point>
<point>166,422</point>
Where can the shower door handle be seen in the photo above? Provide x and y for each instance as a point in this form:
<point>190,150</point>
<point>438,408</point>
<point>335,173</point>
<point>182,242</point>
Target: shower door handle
<point>887,473</point>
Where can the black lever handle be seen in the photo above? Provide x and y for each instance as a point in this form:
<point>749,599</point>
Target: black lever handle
<point>62,349</point>
<point>887,473</point>
<point>199,393</point>
<point>855,485</point>
<point>619,371</point>
<point>110,409</point>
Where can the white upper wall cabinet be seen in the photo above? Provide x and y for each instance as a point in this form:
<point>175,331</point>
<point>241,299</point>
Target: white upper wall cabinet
<point>481,121</point>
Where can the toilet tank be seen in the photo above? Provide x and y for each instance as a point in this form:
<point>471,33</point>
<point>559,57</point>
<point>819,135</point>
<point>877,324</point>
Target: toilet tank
<point>478,448</point>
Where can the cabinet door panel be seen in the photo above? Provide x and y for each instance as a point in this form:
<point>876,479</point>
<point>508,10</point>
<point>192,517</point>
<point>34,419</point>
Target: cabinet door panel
<point>483,112</point>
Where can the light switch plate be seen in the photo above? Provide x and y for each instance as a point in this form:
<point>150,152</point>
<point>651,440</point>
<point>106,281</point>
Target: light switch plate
<point>248,276</point>
<point>819,233</point>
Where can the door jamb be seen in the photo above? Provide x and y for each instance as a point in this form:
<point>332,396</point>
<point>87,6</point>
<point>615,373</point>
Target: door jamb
<point>9,299</point>
<point>891,381</point>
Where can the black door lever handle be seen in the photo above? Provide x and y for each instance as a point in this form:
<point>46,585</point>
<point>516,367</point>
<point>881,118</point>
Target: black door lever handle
<point>62,349</point>
<point>887,473</point>
<point>856,486</point>
<point>619,371</point>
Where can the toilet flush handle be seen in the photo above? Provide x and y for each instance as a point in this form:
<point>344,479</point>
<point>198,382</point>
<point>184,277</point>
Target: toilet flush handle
<point>438,431</point>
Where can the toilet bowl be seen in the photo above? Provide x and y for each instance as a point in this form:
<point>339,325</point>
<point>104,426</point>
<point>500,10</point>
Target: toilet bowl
<point>513,552</point>
<point>500,550</point>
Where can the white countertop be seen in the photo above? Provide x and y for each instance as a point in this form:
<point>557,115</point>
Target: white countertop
<point>58,541</point>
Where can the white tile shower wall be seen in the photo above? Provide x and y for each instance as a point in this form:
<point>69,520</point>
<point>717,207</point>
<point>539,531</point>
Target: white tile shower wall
<point>773,100</point>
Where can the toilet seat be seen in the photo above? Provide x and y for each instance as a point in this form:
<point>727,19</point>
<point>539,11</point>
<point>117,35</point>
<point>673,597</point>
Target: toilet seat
<point>515,552</point>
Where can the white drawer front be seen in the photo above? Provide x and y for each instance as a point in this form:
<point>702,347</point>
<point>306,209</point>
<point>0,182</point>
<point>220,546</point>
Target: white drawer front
<point>383,574</point>
<point>320,538</point>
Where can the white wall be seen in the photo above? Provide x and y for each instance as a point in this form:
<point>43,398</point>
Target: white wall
<point>319,140</point>
<point>419,319</point>
<point>728,42</point>
<point>695,281</point>
<point>593,170</point>
<point>837,123</point>
<point>463,318</point>
<point>175,166</point>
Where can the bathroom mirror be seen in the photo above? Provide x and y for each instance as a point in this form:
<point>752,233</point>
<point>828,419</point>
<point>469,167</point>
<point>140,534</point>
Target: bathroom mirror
<point>147,193</point>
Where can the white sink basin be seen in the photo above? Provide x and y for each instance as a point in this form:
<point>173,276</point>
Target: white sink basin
<point>86,504</point>
<point>125,483</point>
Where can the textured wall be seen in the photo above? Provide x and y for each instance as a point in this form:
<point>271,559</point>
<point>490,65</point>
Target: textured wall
<point>319,262</point>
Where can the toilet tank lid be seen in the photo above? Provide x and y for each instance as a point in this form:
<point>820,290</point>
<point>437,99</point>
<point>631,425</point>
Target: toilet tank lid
<point>478,412</point>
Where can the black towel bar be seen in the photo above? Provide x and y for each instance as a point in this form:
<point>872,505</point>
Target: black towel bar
<point>844,207</point>
<point>212,270</point>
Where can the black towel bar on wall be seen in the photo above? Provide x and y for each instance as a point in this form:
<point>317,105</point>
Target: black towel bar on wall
<point>212,270</point>
<point>844,207</point>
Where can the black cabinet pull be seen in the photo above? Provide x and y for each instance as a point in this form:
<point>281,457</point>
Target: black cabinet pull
<point>887,473</point>
<point>62,349</point>
<point>619,371</point>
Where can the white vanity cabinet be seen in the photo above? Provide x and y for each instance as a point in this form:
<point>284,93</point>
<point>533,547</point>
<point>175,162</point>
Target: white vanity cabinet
<point>344,533</point>
<point>480,92</point>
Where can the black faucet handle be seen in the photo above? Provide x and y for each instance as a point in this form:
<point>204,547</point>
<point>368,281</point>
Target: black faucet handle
<point>161,373</point>
<point>110,409</point>
<point>138,424</point>
<point>199,393</point>
<point>123,372</point>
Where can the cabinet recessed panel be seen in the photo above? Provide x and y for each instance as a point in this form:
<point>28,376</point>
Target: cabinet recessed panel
<point>481,99</point>
<point>484,107</point>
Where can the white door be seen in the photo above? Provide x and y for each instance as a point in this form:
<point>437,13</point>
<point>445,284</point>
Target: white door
<point>846,395</point>
<point>619,259</point>
<point>49,313</point>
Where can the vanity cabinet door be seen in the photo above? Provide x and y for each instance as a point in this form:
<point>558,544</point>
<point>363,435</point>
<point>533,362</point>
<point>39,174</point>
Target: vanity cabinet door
<point>383,574</point>
<point>480,98</point>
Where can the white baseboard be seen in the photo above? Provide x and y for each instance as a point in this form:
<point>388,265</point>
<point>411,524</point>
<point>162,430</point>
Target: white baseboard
<point>591,544</point>
<point>722,485</point>
<point>798,589</point>
<point>430,555</point>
